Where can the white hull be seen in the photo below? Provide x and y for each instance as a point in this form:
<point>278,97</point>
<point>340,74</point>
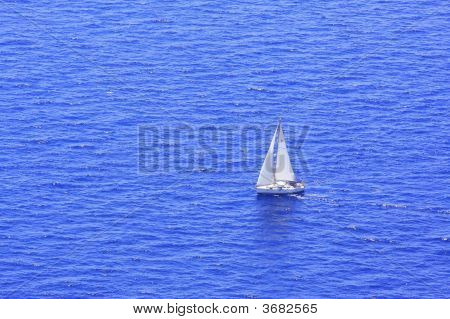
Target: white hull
<point>280,189</point>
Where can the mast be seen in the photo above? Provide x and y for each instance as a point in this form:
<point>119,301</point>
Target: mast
<point>283,167</point>
<point>278,145</point>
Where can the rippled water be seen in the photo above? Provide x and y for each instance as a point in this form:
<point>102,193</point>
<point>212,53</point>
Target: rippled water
<point>369,78</point>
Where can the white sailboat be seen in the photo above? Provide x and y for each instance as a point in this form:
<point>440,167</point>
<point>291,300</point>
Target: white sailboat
<point>276,175</point>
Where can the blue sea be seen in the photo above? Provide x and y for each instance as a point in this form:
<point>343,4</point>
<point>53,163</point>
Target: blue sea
<point>365,83</point>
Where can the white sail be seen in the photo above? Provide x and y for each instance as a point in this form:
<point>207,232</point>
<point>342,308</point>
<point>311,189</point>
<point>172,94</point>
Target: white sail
<point>284,171</point>
<point>266,175</point>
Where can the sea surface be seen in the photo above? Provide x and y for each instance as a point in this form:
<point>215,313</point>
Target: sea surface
<point>366,84</point>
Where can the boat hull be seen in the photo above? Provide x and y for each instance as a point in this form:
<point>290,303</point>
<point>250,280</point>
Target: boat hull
<point>279,190</point>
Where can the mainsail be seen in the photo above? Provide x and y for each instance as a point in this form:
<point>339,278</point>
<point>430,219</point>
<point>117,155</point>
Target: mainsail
<point>266,175</point>
<point>284,171</point>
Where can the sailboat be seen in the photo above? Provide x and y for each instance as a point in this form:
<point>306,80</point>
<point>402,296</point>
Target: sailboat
<point>276,175</point>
